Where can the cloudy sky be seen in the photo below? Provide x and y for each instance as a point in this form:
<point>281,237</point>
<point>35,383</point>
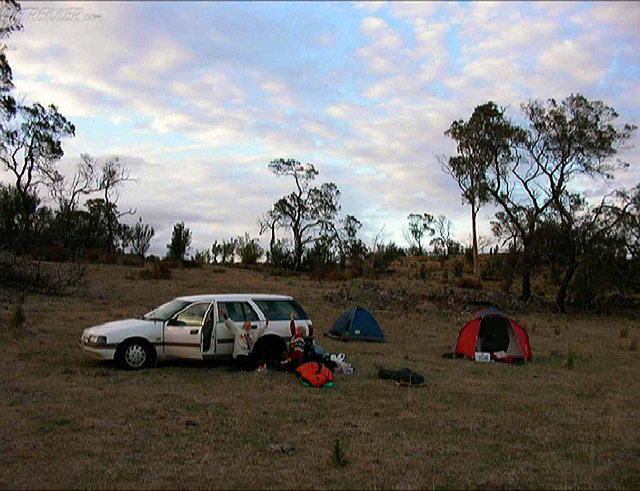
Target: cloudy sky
<point>198,97</point>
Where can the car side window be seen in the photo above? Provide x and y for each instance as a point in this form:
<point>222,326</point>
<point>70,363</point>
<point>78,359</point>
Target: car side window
<point>192,316</point>
<point>280,310</point>
<point>238,311</point>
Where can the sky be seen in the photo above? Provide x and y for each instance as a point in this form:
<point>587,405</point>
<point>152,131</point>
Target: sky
<point>198,97</point>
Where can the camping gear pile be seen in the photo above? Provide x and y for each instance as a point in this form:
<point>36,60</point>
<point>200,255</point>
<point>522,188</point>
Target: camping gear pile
<point>318,367</point>
<point>490,336</point>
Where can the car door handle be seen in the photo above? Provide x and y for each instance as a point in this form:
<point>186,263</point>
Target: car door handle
<point>194,331</point>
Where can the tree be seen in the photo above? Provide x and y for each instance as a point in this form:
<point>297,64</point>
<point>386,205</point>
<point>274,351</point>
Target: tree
<point>216,250</point>
<point>485,140</point>
<point>30,148</point>
<point>31,145</point>
<point>180,242</point>
<point>9,11</point>
<point>575,137</point>
<point>141,236</point>
<point>307,211</point>
<point>228,251</point>
<point>113,175</point>
<point>442,230</point>
<point>352,249</point>
<point>419,227</point>
<point>270,221</point>
<point>68,194</point>
<point>202,257</point>
<point>248,249</point>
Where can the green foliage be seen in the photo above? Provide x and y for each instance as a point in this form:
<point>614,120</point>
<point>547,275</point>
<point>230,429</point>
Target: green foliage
<point>180,242</point>
<point>202,257</point>
<point>216,251</point>
<point>307,210</point>
<point>17,212</point>
<point>385,254</point>
<point>248,249</point>
<point>352,250</point>
<point>228,251</point>
<point>280,255</point>
<point>320,255</point>
<point>339,457</point>
<point>458,268</point>
<point>17,317</point>
<point>141,236</point>
<point>31,144</point>
<point>442,243</point>
<point>572,356</point>
<point>420,226</point>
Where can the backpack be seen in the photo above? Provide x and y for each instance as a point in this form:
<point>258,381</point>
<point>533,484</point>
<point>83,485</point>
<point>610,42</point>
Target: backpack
<point>315,374</point>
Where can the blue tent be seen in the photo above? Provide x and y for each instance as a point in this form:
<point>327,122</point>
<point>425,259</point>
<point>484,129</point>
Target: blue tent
<point>357,324</point>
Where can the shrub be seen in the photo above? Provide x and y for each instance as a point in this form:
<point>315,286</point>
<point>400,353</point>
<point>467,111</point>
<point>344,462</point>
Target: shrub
<point>633,345</point>
<point>109,258</point>
<point>338,454</point>
<point>248,249</point>
<point>157,271</point>
<point>329,273</point>
<point>572,356</point>
<point>17,317</point>
<point>129,260</point>
<point>458,268</point>
<point>469,283</point>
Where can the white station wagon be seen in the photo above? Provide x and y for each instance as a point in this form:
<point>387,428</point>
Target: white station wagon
<point>193,328</point>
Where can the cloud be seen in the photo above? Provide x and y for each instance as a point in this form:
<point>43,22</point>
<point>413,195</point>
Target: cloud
<point>569,58</point>
<point>201,96</point>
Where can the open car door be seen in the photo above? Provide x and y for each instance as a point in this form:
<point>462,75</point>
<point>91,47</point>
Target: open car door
<point>182,333</point>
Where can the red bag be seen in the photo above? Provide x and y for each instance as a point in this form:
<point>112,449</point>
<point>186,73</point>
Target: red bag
<point>314,373</point>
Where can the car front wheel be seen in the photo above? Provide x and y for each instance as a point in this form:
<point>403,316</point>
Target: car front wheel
<point>134,355</point>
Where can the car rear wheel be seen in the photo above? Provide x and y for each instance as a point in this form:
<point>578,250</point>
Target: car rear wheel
<point>134,355</point>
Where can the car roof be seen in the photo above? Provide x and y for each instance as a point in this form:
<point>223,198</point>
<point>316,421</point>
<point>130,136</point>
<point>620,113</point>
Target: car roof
<point>226,297</point>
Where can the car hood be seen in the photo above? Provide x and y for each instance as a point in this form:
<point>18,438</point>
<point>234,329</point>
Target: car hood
<point>123,325</point>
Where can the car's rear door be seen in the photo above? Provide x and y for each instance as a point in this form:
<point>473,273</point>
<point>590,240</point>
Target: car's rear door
<point>182,332</point>
<point>239,312</point>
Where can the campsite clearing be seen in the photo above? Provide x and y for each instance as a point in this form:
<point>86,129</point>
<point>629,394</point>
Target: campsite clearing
<point>67,421</point>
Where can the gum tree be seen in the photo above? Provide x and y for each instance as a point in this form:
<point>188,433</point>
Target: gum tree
<point>485,140</point>
<point>308,211</point>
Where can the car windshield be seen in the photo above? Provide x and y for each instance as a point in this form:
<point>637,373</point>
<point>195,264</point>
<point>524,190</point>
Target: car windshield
<point>165,311</point>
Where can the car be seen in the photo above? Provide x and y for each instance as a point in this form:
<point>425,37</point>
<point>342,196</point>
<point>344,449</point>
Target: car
<point>182,328</point>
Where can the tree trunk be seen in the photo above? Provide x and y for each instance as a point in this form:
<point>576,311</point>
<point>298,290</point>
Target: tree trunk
<point>561,296</point>
<point>476,259</point>
<point>526,283</point>
<point>297,251</point>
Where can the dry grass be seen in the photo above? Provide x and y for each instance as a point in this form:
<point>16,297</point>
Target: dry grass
<point>67,421</point>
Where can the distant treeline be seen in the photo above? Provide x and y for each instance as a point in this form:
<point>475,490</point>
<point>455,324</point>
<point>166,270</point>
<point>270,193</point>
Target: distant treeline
<point>535,173</point>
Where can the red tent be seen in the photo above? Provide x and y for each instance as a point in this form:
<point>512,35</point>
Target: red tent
<point>492,331</point>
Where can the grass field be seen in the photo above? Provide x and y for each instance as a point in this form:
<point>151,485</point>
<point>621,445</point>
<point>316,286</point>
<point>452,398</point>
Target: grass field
<point>68,421</point>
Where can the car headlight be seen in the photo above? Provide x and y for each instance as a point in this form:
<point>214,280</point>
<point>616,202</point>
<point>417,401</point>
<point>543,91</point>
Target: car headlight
<point>93,339</point>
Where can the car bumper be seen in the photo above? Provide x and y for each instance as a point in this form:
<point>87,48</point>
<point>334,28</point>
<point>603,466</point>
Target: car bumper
<point>104,352</point>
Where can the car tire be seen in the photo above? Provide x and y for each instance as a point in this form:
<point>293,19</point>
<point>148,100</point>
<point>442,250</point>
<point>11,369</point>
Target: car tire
<point>135,354</point>
<point>270,350</point>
